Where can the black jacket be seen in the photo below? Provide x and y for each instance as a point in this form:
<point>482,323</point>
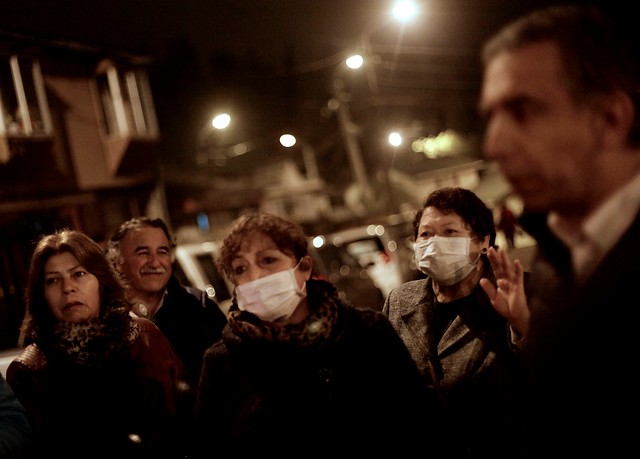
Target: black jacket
<point>358,392</point>
<point>190,324</point>
<point>581,350</point>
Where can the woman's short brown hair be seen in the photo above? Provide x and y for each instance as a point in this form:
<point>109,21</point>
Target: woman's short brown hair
<point>286,235</point>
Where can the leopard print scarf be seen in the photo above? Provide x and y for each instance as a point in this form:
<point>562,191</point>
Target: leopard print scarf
<point>94,343</point>
<point>317,328</point>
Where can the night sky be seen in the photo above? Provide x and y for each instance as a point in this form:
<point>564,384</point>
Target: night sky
<point>266,29</point>
<point>272,56</point>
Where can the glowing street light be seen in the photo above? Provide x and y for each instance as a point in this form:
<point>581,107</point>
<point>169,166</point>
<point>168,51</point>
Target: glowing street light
<point>395,139</point>
<point>354,62</point>
<point>221,121</point>
<point>287,140</point>
<point>404,10</point>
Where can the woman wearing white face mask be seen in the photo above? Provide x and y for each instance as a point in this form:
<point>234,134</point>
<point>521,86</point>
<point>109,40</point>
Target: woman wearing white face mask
<point>458,341</point>
<point>298,371</point>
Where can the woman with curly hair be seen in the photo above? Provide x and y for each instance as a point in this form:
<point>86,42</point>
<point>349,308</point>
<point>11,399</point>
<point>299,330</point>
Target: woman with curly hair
<point>95,381</point>
<point>297,370</point>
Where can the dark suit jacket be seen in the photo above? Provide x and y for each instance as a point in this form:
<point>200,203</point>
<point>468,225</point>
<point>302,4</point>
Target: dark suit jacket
<point>582,349</point>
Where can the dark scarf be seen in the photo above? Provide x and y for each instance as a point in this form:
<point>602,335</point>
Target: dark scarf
<point>90,344</point>
<point>323,300</point>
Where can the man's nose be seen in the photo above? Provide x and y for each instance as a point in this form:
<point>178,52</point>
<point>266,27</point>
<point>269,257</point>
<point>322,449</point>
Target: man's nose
<point>153,259</point>
<point>495,138</point>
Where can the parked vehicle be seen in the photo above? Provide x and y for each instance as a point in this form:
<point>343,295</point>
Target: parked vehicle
<point>194,266</point>
<point>377,252</point>
<point>350,278</point>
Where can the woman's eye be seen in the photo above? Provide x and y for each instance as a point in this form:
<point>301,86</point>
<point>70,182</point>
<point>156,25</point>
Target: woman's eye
<point>269,260</point>
<point>50,281</point>
<point>238,270</point>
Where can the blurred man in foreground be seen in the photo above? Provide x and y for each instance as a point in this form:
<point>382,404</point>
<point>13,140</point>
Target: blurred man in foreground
<point>560,96</point>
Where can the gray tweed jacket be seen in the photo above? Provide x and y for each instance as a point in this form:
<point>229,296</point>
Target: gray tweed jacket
<point>470,364</point>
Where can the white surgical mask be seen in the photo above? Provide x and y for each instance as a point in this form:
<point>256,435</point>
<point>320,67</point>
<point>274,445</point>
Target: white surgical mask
<point>445,259</point>
<point>273,297</point>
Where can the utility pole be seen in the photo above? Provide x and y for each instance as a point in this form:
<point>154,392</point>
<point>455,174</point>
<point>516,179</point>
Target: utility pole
<point>349,133</point>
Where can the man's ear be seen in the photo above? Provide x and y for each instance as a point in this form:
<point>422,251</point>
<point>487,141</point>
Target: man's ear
<point>118,261</point>
<point>619,113</point>
<point>115,258</point>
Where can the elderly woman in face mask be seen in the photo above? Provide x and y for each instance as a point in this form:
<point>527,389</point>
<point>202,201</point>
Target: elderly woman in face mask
<point>297,371</point>
<point>458,341</point>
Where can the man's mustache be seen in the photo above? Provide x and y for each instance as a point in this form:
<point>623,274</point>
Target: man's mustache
<point>153,271</point>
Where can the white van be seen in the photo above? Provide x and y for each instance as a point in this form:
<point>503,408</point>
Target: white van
<point>194,266</point>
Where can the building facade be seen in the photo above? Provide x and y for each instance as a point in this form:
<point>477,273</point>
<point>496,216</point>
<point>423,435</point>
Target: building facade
<point>78,130</point>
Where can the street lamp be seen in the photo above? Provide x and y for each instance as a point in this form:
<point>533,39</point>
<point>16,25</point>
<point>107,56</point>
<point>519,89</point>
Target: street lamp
<point>349,132</point>
<point>218,122</point>
<point>395,139</point>
<point>220,153</point>
<point>402,11</point>
<point>308,154</point>
<point>221,121</point>
<point>354,62</point>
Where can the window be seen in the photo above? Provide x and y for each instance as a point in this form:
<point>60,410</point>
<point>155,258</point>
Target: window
<point>126,102</point>
<point>24,109</point>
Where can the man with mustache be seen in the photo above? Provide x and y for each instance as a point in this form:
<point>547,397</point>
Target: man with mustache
<point>142,252</point>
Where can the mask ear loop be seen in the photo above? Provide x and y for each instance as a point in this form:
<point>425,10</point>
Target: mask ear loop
<point>304,264</point>
<point>483,251</point>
